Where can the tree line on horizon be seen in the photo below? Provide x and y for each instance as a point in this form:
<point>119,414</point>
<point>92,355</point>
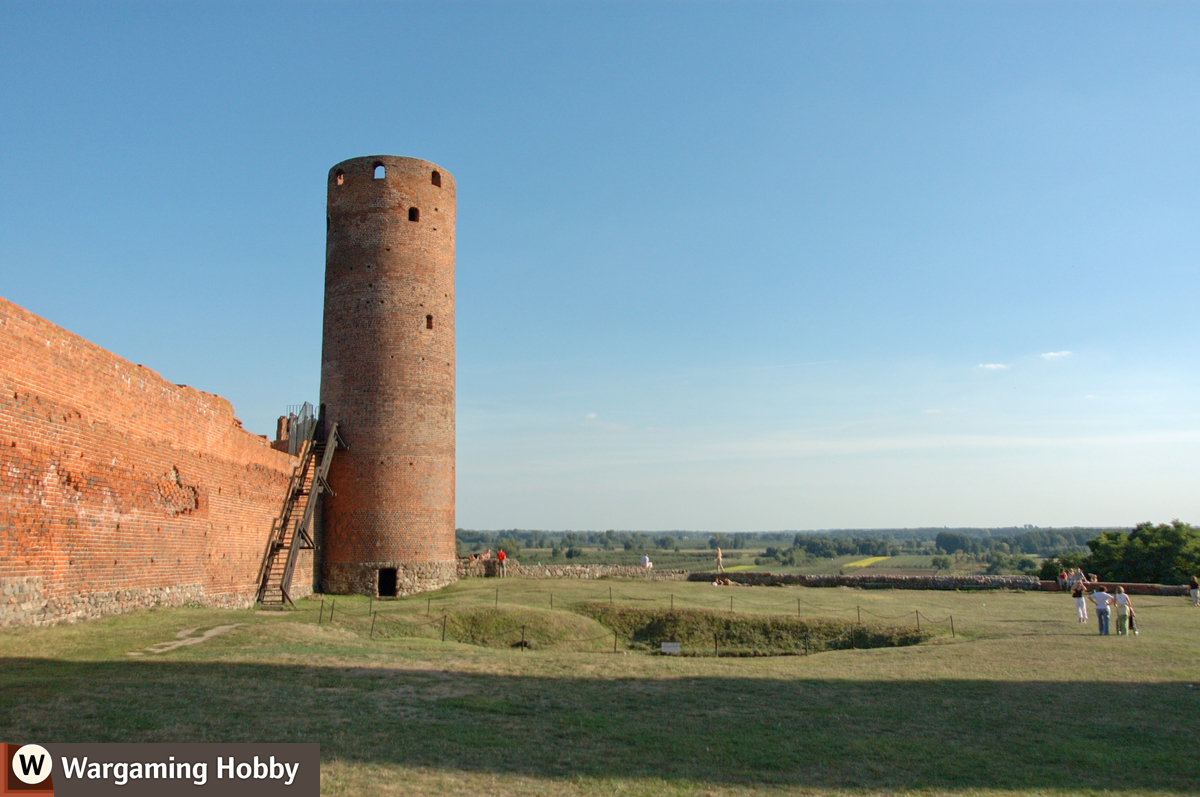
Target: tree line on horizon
<point>1168,553</point>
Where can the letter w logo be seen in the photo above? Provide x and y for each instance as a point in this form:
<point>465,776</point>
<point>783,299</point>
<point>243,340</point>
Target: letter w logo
<point>27,770</point>
<point>34,763</point>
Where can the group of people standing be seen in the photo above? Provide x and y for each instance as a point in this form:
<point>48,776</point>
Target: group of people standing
<point>1104,601</point>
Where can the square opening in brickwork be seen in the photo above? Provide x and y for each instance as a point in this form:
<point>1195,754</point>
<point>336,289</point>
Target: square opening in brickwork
<point>414,214</point>
<point>380,171</point>
<point>387,582</point>
<point>340,176</point>
<point>429,322</point>
<point>436,179</point>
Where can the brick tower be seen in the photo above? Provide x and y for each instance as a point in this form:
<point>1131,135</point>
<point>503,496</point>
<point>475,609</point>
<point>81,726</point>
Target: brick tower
<point>387,377</point>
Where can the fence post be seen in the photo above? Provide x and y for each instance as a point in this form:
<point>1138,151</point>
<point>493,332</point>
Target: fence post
<point>797,607</point>
<point>716,652</point>
<point>951,625</point>
<point>444,616</point>
<point>370,604</point>
<point>522,639</point>
<point>429,606</point>
<point>730,603</point>
<point>610,595</point>
<point>497,597</point>
<point>332,606</point>
<point>614,641</point>
<point>321,616</point>
<point>372,625</point>
<point>551,600</point>
<point>672,601</point>
<point>859,613</point>
<point>805,643</point>
<point>918,612</point>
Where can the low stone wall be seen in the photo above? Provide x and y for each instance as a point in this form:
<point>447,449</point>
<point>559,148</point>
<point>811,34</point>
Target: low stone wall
<point>865,580</point>
<point>488,568</point>
<point>1132,589</point>
<point>24,601</point>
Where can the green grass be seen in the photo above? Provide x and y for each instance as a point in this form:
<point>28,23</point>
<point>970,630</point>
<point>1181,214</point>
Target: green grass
<point>1020,701</point>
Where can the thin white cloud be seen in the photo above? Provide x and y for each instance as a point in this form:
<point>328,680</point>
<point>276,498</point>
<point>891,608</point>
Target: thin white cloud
<point>592,421</point>
<point>1054,355</point>
<point>993,366</point>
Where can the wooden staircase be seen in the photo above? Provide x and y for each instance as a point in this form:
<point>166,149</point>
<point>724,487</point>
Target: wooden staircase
<point>292,531</point>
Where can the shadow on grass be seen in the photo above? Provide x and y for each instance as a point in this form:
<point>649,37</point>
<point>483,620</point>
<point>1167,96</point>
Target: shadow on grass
<point>936,734</point>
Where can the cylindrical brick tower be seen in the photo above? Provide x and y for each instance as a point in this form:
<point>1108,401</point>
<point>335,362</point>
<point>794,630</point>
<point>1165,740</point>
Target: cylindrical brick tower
<point>387,377</point>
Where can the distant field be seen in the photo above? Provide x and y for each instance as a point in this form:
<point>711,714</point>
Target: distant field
<point>973,713</point>
<point>871,560</point>
<point>743,559</point>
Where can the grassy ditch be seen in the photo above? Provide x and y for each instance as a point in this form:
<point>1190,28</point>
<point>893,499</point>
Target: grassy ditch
<point>700,631</point>
<point>502,627</point>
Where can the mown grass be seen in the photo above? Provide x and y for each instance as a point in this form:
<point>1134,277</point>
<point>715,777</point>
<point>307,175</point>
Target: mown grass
<point>1021,701</point>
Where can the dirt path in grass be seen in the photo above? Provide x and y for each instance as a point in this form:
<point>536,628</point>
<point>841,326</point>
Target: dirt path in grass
<point>185,637</point>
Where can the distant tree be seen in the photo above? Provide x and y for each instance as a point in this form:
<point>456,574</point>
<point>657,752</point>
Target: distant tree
<point>1001,563</point>
<point>941,563</point>
<point>1162,554</point>
<point>573,553</point>
<point>953,542</point>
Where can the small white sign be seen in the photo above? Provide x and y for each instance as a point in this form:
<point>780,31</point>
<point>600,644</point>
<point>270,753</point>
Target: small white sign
<point>671,648</point>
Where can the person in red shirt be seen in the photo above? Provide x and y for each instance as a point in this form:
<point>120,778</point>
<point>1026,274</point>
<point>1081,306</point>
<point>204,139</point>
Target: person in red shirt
<point>501,557</point>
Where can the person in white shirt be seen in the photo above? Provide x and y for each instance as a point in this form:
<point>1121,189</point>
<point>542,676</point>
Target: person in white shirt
<point>1079,593</point>
<point>1124,612</point>
<point>1102,600</point>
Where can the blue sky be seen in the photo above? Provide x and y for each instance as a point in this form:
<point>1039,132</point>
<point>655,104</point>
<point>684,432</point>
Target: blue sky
<point>727,266</point>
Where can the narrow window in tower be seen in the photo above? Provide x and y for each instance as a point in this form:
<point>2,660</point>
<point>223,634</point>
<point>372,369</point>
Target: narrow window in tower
<point>429,322</point>
<point>436,179</point>
<point>328,224</point>
<point>340,177</point>
<point>414,214</point>
<point>387,582</point>
<point>380,172</point>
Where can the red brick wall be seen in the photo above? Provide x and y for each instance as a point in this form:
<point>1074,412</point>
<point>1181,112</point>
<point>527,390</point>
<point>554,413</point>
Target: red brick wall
<point>387,375</point>
<point>119,489</point>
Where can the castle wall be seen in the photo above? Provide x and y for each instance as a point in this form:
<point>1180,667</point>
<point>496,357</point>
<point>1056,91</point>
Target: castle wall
<point>120,490</point>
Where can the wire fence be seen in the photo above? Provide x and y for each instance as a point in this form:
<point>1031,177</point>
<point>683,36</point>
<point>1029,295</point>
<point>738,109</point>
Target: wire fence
<point>514,634</point>
<point>441,617</point>
<point>392,619</point>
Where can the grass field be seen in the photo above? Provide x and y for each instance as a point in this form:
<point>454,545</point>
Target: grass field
<point>1021,700</point>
